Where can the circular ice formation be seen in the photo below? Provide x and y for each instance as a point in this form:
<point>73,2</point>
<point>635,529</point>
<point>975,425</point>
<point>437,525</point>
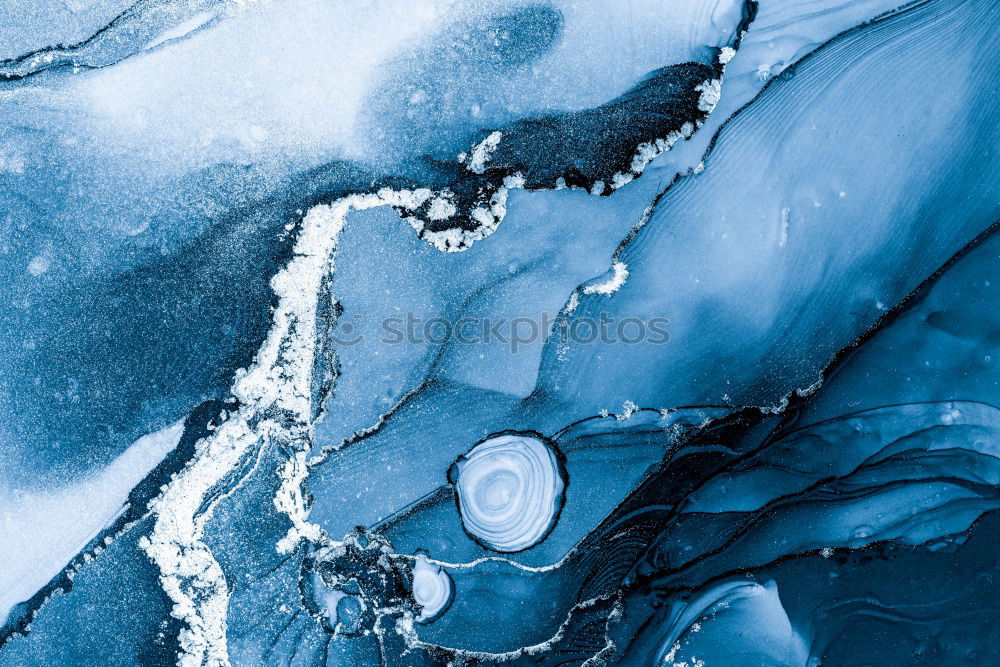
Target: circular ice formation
<point>509,490</point>
<point>432,588</point>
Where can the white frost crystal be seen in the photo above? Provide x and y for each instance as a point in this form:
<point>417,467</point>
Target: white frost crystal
<point>619,274</point>
<point>710,91</point>
<point>482,151</point>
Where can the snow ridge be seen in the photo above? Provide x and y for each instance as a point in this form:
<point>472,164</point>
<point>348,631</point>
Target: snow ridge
<point>276,409</point>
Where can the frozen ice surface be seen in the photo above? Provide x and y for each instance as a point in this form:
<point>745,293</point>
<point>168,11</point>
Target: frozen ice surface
<point>509,490</point>
<point>522,331</point>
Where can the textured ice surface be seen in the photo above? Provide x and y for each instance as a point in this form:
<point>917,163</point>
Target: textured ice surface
<point>509,491</point>
<point>542,332</point>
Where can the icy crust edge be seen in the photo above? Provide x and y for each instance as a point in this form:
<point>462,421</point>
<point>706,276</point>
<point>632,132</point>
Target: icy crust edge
<point>145,25</point>
<point>277,407</point>
<point>475,202</point>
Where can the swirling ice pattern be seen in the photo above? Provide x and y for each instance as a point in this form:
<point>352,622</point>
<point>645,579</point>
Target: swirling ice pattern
<point>509,491</point>
<point>432,588</point>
